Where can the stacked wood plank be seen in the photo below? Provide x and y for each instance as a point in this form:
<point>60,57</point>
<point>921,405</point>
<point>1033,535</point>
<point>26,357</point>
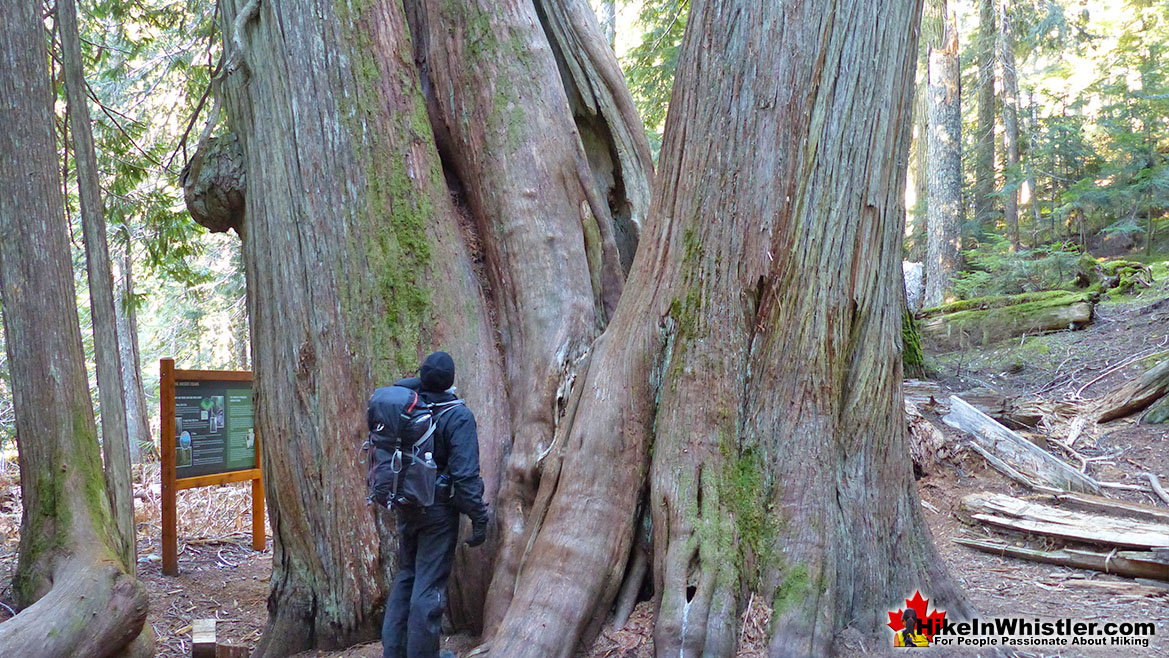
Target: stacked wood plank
<point>1123,538</point>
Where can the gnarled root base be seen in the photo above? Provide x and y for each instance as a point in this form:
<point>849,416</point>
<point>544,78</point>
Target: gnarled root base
<point>94,609</point>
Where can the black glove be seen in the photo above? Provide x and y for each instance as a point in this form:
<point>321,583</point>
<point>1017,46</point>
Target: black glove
<point>478,533</point>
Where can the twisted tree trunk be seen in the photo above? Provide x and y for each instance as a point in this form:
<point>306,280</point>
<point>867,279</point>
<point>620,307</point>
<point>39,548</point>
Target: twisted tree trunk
<point>510,252</point>
<point>71,581</point>
<point>744,398</point>
<point>755,348</point>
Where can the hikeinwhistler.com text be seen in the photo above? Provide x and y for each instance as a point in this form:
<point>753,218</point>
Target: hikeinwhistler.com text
<point>1020,632</point>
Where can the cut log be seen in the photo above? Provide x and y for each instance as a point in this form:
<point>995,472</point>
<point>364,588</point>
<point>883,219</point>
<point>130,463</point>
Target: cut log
<point>1135,564</point>
<point>203,638</point>
<point>981,322</point>
<point>1101,505</point>
<point>1136,395</point>
<point>1015,514</point>
<point>1028,459</point>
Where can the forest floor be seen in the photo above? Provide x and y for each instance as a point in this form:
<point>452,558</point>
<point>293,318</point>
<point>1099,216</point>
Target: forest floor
<point>222,578</point>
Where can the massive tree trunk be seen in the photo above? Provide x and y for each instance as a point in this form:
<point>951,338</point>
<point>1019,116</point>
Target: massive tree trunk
<point>933,28</point>
<point>756,348</point>
<point>115,441</point>
<point>1010,103</point>
<point>71,580</point>
<point>945,183</point>
<point>137,414</point>
<point>984,152</point>
<point>556,179</point>
<point>548,167</point>
<point>356,265</point>
<point>510,252</point>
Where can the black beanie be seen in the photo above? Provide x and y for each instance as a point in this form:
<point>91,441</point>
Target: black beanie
<point>437,372</point>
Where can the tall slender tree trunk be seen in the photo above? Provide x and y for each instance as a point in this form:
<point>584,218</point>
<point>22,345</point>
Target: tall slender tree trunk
<point>755,349</point>
<point>984,155</point>
<point>137,414</point>
<point>115,437</point>
<point>71,581</point>
<point>1010,113</point>
<point>945,152</point>
<point>932,32</point>
<point>1032,150</point>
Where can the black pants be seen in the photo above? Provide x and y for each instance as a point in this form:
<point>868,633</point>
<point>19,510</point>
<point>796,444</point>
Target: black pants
<point>426,551</point>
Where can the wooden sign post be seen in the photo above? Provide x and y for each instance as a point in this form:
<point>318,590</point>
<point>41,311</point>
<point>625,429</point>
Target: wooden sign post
<point>208,439</point>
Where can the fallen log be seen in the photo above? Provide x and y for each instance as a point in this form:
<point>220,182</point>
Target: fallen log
<point>927,444</point>
<point>1024,457</point>
<point>1135,564</point>
<point>987,320</point>
<point>1015,514</point>
<point>1137,395</point>
<point>1101,505</point>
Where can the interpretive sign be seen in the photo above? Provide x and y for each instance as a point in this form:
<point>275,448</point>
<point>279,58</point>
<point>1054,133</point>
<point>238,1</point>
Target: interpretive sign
<point>208,438</point>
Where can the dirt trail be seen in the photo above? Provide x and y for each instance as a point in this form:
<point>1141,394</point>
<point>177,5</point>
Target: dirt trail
<point>223,578</point>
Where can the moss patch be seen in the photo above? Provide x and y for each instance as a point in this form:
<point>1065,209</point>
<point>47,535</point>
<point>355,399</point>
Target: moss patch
<point>996,301</point>
<point>397,195</point>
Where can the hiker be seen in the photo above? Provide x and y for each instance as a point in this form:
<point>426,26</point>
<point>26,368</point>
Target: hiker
<point>427,536</point>
<point>910,635</point>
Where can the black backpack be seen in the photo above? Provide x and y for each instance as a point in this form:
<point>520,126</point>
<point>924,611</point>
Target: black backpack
<point>402,472</point>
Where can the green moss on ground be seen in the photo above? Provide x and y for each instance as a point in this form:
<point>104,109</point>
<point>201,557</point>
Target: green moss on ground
<point>998,301</point>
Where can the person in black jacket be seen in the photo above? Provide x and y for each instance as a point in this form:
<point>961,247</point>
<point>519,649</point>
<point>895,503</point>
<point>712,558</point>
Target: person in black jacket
<point>427,537</point>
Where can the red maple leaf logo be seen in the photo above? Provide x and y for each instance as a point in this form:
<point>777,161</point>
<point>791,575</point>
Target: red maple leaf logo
<point>931,622</point>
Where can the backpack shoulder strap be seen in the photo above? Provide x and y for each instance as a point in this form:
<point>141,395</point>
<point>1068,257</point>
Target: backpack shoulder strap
<point>439,408</point>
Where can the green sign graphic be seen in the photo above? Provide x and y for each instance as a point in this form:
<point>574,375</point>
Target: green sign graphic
<point>214,428</point>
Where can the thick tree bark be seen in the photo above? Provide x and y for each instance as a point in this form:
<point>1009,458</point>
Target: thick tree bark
<point>137,414</point>
<point>557,181</point>
<point>71,582</point>
<point>933,27</point>
<point>356,266</point>
<point>1010,113</point>
<point>945,177</point>
<point>984,153</point>
<point>115,438</point>
<point>756,347</point>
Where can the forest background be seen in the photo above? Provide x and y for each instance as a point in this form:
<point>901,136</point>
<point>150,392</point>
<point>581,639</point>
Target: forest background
<point>1088,169</point>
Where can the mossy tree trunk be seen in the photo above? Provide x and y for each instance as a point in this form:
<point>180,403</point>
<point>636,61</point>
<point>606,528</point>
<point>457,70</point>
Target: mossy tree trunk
<point>476,185</point>
<point>114,430</point>
<point>355,264</point>
<point>945,176</point>
<point>756,349</point>
<point>356,136</point>
<point>540,140</point>
<point>71,581</point>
